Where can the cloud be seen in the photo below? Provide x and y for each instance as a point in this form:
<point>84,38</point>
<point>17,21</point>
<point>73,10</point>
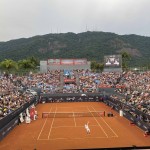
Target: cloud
<point>25,18</point>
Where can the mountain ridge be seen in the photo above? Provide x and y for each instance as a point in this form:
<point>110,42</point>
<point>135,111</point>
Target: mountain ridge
<point>91,45</point>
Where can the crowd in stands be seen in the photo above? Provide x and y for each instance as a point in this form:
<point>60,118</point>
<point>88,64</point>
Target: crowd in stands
<point>10,97</point>
<point>88,81</point>
<point>48,82</point>
<point>69,78</point>
<point>134,86</point>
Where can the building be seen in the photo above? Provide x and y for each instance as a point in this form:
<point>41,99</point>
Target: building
<point>64,64</point>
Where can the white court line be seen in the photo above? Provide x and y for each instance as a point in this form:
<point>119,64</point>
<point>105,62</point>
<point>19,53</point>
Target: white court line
<point>73,107</point>
<point>73,126</point>
<point>113,137</point>
<point>98,123</point>
<point>107,124</point>
<point>92,137</point>
<point>49,133</point>
<point>43,139</point>
<point>109,127</point>
<point>43,125</point>
<point>104,137</point>
<point>74,120</point>
<point>77,138</point>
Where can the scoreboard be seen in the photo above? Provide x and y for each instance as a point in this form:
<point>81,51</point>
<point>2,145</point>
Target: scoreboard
<point>113,61</point>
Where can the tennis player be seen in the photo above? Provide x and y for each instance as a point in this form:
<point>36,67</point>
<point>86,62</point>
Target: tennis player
<point>87,128</point>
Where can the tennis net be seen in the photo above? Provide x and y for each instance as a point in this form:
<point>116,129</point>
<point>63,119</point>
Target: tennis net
<point>73,114</point>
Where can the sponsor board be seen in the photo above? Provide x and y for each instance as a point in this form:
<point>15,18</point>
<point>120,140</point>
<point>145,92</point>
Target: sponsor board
<point>4,131</point>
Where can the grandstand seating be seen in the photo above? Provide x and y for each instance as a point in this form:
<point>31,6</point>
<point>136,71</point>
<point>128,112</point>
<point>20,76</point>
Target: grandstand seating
<point>134,86</point>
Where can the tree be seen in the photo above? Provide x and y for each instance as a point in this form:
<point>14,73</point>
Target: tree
<point>101,66</point>
<point>97,66</point>
<point>125,59</point>
<point>34,61</point>
<point>8,64</point>
<point>26,64</point>
<point>93,65</point>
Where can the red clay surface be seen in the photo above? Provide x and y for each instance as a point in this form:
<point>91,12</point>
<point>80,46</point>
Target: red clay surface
<point>69,133</point>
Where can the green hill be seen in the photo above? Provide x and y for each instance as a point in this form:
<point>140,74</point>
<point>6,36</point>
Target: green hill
<point>90,45</point>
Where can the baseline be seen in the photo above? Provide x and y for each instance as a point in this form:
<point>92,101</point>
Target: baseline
<point>73,126</point>
<point>100,137</point>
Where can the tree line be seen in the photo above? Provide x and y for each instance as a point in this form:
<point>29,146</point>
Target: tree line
<point>20,67</point>
<point>30,64</point>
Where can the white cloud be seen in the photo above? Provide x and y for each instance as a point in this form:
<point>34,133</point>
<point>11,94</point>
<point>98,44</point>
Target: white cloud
<point>25,18</point>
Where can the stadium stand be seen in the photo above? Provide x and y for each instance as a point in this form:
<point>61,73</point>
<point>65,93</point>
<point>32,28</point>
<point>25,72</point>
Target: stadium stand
<point>131,90</point>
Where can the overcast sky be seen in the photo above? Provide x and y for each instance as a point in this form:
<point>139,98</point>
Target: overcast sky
<point>27,18</point>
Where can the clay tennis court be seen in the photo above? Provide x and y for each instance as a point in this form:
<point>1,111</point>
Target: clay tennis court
<point>69,132</point>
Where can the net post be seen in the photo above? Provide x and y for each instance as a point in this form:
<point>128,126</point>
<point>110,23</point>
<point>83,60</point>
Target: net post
<point>104,113</point>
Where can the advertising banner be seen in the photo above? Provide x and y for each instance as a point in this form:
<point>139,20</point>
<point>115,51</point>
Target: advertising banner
<point>53,61</point>
<point>69,80</point>
<point>80,61</point>
<point>5,130</point>
<point>67,62</point>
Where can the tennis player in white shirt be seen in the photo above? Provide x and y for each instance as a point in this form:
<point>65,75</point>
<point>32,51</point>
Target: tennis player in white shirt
<point>87,128</point>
